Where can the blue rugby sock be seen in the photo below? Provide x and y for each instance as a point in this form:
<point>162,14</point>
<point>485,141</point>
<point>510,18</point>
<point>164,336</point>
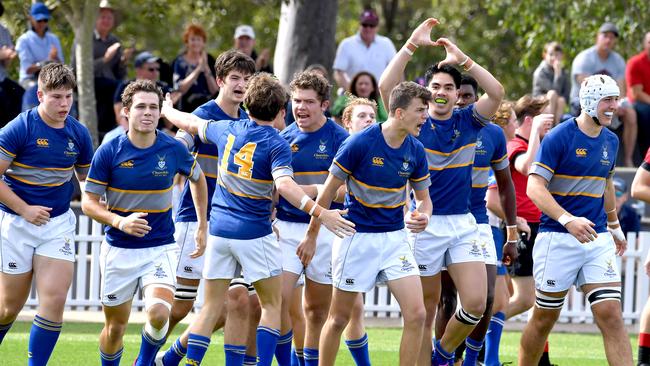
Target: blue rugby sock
<point>174,354</point>
<point>197,345</point>
<point>250,360</point>
<point>283,349</point>
<point>42,338</point>
<point>473,347</point>
<point>493,339</point>
<point>4,329</point>
<point>267,339</point>
<point>234,354</point>
<point>111,359</point>
<point>311,356</point>
<point>297,358</point>
<point>441,357</point>
<point>359,350</point>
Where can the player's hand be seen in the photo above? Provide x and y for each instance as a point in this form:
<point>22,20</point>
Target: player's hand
<point>510,253</point>
<point>333,220</point>
<point>582,229</point>
<point>276,231</point>
<point>111,51</point>
<point>200,240</point>
<point>306,250</point>
<point>522,226</point>
<point>263,59</point>
<point>53,55</point>
<point>421,36</point>
<point>135,225</point>
<point>454,55</point>
<point>416,222</point>
<point>7,53</point>
<point>543,123</point>
<point>36,215</point>
<point>167,105</point>
<point>619,239</point>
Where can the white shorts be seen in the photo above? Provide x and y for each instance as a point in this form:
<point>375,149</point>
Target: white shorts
<point>124,270</point>
<point>560,260</point>
<point>259,258</point>
<point>448,239</point>
<point>320,268</point>
<point>188,267</point>
<point>486,243</point>
<point>20,241</point>
<point>363,259</point>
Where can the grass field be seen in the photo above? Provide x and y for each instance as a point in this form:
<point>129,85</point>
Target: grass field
<point>79,341</point>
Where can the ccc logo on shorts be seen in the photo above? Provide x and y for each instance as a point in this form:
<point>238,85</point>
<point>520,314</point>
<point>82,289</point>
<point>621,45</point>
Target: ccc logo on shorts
<point>581,153</point>
<point>42,143</point>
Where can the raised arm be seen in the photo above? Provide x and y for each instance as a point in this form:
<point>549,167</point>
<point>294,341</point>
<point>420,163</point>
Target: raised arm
<point>185,121</point>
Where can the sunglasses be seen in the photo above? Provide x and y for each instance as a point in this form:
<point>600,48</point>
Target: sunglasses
<point>153,69</point>
<point>368,25</point>
<point>42,21</point>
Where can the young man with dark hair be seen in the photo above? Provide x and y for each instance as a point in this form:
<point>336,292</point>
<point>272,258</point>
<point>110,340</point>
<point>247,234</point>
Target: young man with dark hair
<point>376,165</point>
<point>579,235</point>
<point>233,70</point>
<point>468,91</point>
<point>135,173</point>
<point>40,150</point>
<point>449,137</point>
<point>252,158</point>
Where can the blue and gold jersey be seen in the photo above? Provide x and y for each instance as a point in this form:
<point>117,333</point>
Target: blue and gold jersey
<point>43,160</point>
<point>206,156</point>
<point>140,180</point>
<point>576,167</point>
<point>251,157</point>
<point>490,152</point>
<point>450,147</point>
<point>376,177</point>
<point>311,156</point>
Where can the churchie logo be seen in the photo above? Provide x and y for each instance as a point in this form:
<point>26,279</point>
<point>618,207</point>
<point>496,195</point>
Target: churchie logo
<point>42,143</point>
<point>581,153</point>
<point>377,161</point>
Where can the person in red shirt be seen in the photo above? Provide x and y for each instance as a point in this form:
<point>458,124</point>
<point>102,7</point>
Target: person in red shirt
<point>637,75</point>
<point>641,191</point>
<point>532,125</point>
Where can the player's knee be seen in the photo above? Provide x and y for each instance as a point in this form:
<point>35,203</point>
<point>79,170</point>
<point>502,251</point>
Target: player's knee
<point>468,317</point>
<point>237,304</point>
<point>316,313</point>
<point>9,312</point>
<point>339,321</point>
<point>415,315</point>
<point>115,331</point>
<point>158,315</point>
<point>474,305</point>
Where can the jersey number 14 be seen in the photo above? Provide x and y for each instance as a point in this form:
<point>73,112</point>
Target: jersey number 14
<point>243,158</point>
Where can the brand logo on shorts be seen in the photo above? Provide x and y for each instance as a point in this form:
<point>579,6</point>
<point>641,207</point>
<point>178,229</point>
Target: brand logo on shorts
<point>422,267</point>
<point>610,272</point>
<point>406,265</point>
<point>66,249</point>
<point>111,297</point>
<point>126,164</point>
<point>13,265</point>
<point>377,161</point>
<point>42,143</point>
<point>188,269</point>
<point>550,283</point>
<point>581,153</point>
<point>475,251</point>
<point>349,281</point>
<point>160,273</point>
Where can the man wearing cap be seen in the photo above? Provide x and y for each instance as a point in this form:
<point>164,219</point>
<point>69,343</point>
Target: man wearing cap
<point>37,46</point>
<point>571,181</point>
<point>109,64</point>
<point>637,75</point>
<point>11,93</point>
<point>147,67</point>
<point>364,51</point>
<point>602,59</point>
<point>245,42</point>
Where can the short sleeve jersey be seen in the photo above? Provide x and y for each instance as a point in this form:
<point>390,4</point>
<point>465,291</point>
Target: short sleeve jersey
<point>589,63</point>
<point>450,146</point>
<point>376,176</point>
<point>490,153</point>
<point>312,154</point>
<point>576,167</point>
<point>206,156</point>
<point>43,160</point>
<point>251,157</point>
<point>525,207</point>
<point>140,180</point>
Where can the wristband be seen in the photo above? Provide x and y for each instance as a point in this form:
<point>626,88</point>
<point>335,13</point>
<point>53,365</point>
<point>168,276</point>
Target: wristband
<point>610,211</point>
<point>316,212</point>
<point>464,61</point>
<point>565,218</point>
<point>407,50</point>
<point>117,220</point>
<point>613,223</point>
<point>122,225</point>
<point>471,65</point>
<point>303,202</point>
<point>313,208</point>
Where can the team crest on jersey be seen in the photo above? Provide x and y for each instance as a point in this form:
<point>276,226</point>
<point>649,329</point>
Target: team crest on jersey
<point>605,156</point>
<point>377,161</point>
<point>127,164</point>
<point>70,150</point>
<point>42,143</point>
<point>581,153</point>
<point>321,153</point>
<point>161,167</point>
<point>294,148</point>
<point>479,142</point>
<point>406,265</point>
<point>323,146</point>
<point>455,135</point>
<point>405,168</point>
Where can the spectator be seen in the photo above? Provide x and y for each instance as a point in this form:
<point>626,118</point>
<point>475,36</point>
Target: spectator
<point>364,51</point>
<point>637,75</point>
<point>37,46</point>
<point>363,85</point>
<point>10,92</point>
<point>245,42</point>
<point>109,64</point>
<point>194,73</point>
<point>602,59</point>
<point>147,67</point>
<point>627,215</point>
<point>552,80</point>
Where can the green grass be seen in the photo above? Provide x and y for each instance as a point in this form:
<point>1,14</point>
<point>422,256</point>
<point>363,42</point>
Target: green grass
<point>78,345</point>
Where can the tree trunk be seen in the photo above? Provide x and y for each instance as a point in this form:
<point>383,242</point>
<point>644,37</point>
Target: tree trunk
<point>306,35</point>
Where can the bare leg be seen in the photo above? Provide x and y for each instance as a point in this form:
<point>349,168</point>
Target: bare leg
<point>431,295</point>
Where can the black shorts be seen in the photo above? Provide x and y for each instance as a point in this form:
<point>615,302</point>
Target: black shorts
<point>523,266</point>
